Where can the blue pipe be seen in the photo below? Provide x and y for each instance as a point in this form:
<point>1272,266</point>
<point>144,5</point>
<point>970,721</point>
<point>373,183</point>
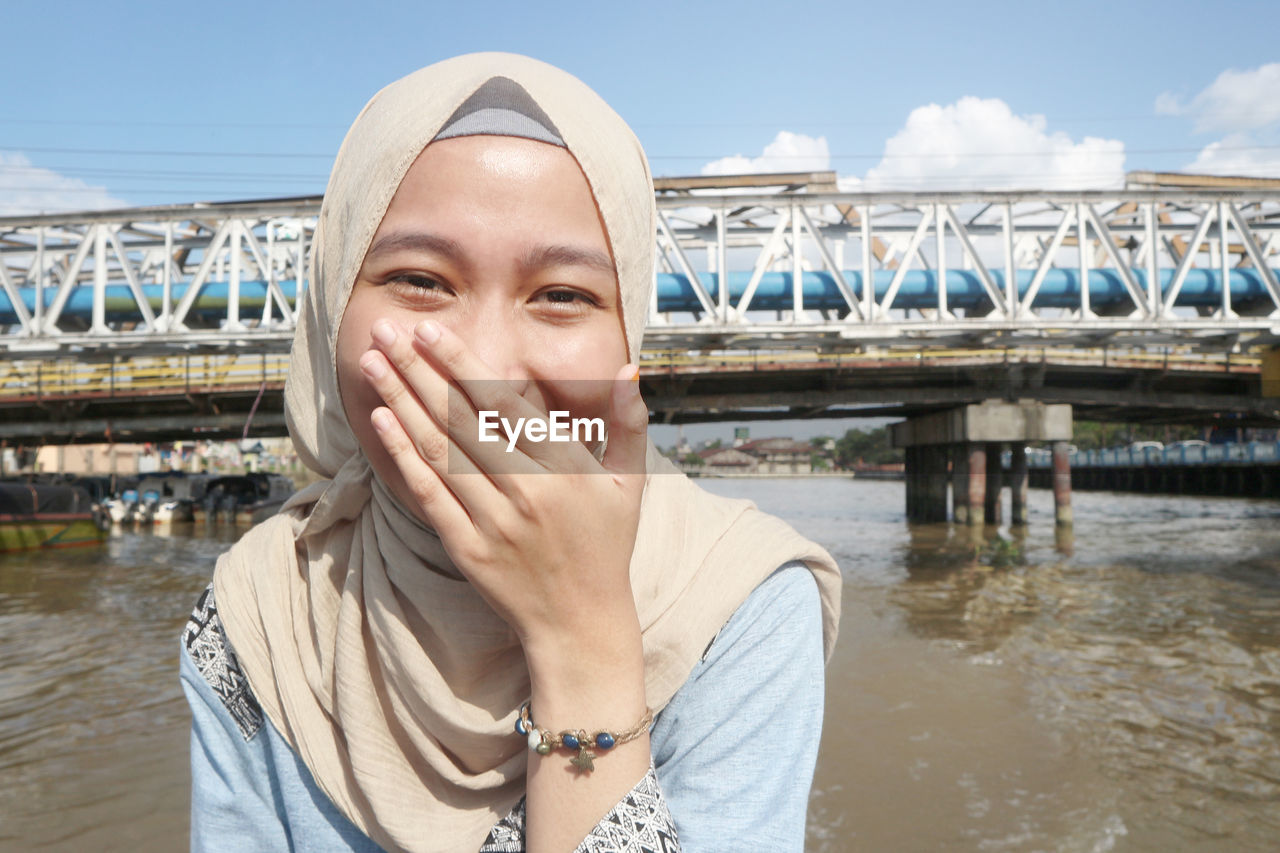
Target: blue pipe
<point>919,289</point>
<point>209,307</point>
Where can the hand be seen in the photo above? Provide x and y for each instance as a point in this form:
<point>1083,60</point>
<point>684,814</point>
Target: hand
<point>544,532</point>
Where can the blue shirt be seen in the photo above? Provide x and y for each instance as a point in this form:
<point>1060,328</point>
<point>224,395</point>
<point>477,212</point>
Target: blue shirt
<point>734,750</point>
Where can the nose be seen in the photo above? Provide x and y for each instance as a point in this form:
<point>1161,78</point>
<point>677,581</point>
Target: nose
<point>494,338</point>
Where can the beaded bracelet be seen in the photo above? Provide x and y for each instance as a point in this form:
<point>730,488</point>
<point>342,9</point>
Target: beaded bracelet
<point>543,742</point>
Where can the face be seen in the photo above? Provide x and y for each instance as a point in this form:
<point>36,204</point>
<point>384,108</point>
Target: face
<point>499,239</point>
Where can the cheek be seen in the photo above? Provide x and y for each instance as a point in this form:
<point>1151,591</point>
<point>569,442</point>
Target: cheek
<point>352,387</point>
<point>597,354</point>
<point>358,397</point>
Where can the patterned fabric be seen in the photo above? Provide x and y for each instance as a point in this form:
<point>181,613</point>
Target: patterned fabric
<point>639,823</point>
<point>207,644</point>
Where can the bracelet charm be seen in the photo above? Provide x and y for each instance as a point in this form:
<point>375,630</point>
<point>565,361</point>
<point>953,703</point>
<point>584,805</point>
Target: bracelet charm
<point>544,742</point>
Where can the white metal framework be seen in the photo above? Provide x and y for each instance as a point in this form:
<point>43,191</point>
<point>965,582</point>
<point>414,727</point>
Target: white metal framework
<point>837,272</point>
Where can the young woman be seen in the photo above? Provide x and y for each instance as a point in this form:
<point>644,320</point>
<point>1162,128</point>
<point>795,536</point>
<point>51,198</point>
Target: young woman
<point>457,643</point>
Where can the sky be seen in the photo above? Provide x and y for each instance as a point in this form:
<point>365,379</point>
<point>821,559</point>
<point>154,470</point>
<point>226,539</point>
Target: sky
<point>141,103</point>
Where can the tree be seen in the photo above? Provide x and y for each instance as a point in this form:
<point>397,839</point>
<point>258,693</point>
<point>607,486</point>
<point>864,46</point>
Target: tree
<point>871,448</point>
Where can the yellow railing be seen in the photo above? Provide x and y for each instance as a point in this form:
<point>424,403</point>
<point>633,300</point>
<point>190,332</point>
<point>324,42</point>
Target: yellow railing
<point>145,375</point>
<point>1182,359</point>
<point>139,376</point>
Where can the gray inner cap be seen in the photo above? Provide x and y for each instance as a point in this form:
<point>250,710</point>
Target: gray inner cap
<point>501,107</point>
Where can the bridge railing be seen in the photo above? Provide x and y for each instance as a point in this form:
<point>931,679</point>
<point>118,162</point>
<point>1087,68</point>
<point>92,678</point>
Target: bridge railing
<point>1129,457</point>
<point>838,271</point>
<point>139,377</point>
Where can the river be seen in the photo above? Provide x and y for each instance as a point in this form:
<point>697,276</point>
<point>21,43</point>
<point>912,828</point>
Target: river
<point>1117,688</point>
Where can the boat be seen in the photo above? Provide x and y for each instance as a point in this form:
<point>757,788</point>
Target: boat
<point>170,497</point>
<point>243,498</point>
<point>49,515</point>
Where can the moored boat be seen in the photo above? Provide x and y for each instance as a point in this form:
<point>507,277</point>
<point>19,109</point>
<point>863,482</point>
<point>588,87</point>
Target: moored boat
<point>170,497</point>
<point>49,515</point>
<point>243,498</point>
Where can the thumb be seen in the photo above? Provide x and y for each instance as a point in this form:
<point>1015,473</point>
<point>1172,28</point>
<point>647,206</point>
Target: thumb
<point>628,427</point>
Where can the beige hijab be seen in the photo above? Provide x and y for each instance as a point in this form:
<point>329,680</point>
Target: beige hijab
<point>390,677</point>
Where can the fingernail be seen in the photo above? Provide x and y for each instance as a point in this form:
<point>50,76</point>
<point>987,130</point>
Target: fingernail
<point>372,365</point>
<point>384,333</point>
<point>381,419</point>
<point>428,332</point>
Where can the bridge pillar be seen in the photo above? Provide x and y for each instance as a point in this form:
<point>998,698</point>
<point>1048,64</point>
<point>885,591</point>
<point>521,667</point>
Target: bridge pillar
<point>960,483</point>
<point>926,479</point>
<point>995,482</point>
<point>1018,482</point>
<point>975,433</point>
<point>938,476</point>
<point>1062,483</point>
<point>977,467</point>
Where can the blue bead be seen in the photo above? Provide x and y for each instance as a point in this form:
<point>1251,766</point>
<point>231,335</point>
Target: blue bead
<point>604,740</point>
<point>520,727</point>
<point>570,741</point>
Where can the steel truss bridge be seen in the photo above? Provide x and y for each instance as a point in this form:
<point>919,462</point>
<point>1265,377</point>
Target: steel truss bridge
<point>1049,280</point>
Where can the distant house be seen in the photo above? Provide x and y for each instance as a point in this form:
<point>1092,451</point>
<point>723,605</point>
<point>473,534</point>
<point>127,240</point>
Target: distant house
<point>727,460</point>
<point>780,455</point>
<point>761,456</point>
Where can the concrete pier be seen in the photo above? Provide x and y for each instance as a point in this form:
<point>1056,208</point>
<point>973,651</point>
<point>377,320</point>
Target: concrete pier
<point>1019,482</point>
<point>926,477</point>
<point>977,453</point>
<point>995,484</point>
<point>975,436</point>
<point>1062,483</point>
<point>959,484</point>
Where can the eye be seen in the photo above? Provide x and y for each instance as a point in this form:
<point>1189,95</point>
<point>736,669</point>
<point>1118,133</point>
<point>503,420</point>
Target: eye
<point>415,279</point>
<point>415,284</point>
<point>568,298</point>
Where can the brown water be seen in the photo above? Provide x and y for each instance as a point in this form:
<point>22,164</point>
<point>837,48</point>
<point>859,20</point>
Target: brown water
<point>1118,689</point>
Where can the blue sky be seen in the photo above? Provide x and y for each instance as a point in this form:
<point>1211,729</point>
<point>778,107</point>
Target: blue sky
<point>148,102</point>
<point>134,103</point>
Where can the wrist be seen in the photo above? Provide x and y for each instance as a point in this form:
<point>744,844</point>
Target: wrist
<point>599,674</point>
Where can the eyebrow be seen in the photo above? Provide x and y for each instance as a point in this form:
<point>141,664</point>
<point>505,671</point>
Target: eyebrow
<point>419,241</point>
<point>537,258</point>
<point>541,257</point>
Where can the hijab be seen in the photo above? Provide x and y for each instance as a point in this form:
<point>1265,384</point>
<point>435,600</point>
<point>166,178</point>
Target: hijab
<point>382,668</point>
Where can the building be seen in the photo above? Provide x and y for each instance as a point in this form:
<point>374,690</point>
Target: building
<point>761,456</point>
<point>727,460</point>
<point>779,455</point>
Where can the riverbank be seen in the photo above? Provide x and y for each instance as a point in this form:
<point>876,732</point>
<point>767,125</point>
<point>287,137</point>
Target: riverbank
<point>869,474</point>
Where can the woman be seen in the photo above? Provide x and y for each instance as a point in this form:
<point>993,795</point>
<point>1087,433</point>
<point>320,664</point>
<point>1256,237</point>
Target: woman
<point>394,661</point>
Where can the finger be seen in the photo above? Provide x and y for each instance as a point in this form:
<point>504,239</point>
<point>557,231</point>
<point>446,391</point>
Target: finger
<point>443,510</point>
<point>486,391</point>
<point>628,429</point>
<point>441,402</point>
<point>429,442</point>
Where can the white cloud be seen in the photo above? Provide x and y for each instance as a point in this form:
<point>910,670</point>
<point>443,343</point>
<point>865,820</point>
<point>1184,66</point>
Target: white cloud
<point>1239,154</point>
<point>978,143</point>
<point>1244,106</point>
<point>28,189</point>
<point>1236,101</point>
<point>788,152</point>
<point>975,143</point>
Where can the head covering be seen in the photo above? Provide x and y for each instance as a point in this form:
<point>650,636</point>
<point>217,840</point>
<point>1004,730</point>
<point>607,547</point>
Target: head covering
<point>383,669</point>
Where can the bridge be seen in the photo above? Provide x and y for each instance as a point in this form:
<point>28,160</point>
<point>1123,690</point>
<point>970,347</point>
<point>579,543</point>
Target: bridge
<point>777,297</point>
